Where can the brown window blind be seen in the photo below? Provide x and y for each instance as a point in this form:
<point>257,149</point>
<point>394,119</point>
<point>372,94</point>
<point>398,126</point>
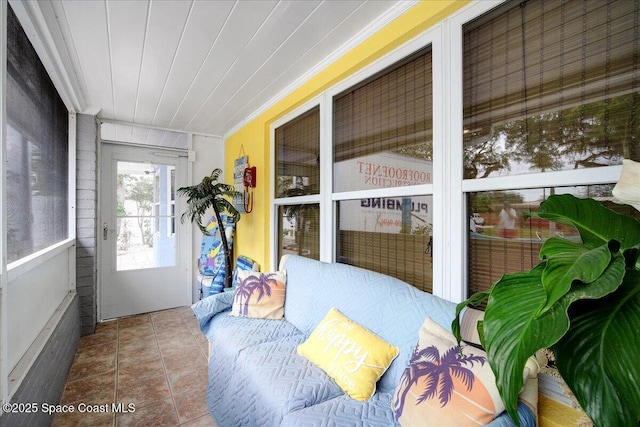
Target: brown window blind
<point>298,155</point>
<point>382,138</point>
<point>551,85</point>
<point>390,113</point>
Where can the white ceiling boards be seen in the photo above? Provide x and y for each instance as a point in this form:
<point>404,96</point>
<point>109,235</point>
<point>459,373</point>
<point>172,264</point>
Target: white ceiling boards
<point>202,66</point>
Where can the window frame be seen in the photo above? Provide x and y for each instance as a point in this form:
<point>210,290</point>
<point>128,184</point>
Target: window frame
<point>277,202</point>
<point>449,188</point>
<point>34,260</point>
<point>458,207</point>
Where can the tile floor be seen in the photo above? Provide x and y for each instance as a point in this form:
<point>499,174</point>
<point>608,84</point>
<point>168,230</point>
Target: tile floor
<point>155,361</point>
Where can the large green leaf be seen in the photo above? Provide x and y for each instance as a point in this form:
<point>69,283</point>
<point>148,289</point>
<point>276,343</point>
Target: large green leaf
<point>595,223</point>
<point>512,333</point>
<point>598,357</point>
<point>515,327</point>
<point>568,261</point>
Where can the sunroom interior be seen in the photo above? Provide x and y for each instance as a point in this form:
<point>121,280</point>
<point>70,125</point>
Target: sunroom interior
<point>384,134</point>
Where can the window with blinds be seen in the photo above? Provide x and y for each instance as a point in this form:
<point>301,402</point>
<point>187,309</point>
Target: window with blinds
<point>297,157</point>
<point>551,85</point>
<point>382,128</point>
<point>37,151</point>
<point>382,139</point>
<point>548,86</point>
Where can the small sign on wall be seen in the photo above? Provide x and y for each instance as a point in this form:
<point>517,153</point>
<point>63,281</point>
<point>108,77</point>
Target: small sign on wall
<point>240,164</point>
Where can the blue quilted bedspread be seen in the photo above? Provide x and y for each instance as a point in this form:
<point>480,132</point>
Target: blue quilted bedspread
<point>256,378</point>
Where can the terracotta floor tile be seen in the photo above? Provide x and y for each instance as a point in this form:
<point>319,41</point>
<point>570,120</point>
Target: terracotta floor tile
<point>205,421</point>
<point>137,331</point>
<point>176,362</point>
<point>194,377</point>
<point>132,356</point>
<point>144,392</point>
<point>191,404</point>
<point>99,351</point>
<point>80,419</point>
<point>175,319</point>
<point>158,414</point>
<point>92,367</point>
<point>100,337</point>
<point>185,345</point>
<point>133,343</point>
<point>128,322</point>
<point>98,389</point>
<point>132,375</point>
<point>155,361</point>
<point>174,334</point>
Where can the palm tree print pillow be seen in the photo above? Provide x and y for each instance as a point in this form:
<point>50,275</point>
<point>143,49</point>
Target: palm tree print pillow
<point>259,295</point>
<point>446,384</point>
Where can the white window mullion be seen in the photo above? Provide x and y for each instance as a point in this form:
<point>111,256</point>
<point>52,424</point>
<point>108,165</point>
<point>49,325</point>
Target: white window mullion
<point>273,247</point>
<point>4,372</point>
<point>455,267</point>
<point>440,157</point>
<point>327,207</point>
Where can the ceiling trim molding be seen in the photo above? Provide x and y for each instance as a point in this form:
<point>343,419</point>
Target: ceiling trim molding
<point>50,47</point>
<point>140,125</point>
<point>383,20</point>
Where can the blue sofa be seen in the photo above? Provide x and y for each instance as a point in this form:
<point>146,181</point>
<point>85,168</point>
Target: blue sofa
<point>256,378</point>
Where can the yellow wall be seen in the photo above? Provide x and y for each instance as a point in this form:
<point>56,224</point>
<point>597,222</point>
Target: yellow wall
<point>253,234</point>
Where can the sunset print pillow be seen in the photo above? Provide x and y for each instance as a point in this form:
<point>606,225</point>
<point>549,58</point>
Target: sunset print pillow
<point>259,295</point>
<point>445,384</point>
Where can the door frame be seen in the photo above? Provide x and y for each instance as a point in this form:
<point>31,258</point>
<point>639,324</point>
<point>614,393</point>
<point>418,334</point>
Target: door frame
<point>183,245</point>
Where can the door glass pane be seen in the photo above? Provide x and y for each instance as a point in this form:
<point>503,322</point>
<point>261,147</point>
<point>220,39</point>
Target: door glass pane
<point>388,235</point>
<point>299,230</point>
<point>145,216</point>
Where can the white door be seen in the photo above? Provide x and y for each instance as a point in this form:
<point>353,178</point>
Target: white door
<point>142,241</point>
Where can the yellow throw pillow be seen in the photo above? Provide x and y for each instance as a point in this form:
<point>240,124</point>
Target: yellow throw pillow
<point>259,295</point>
<point>349,353</point>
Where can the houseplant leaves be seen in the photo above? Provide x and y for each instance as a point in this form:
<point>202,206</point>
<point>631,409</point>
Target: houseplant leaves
<point>554,305</point>
<point>598,357</point>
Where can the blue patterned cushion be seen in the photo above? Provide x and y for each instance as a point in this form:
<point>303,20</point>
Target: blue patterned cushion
<point>271,380</point>
<point>386,306</point>
<point>345,412</point>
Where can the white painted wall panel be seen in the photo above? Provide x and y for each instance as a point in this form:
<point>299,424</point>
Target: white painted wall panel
<point>210,155</point>
<point>32,298</point>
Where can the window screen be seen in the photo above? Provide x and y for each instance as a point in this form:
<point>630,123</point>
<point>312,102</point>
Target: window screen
<point>551,85</point>
<point>37,151</point>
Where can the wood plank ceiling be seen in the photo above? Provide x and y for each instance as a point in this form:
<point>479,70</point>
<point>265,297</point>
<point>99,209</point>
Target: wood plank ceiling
<point>202,66</point>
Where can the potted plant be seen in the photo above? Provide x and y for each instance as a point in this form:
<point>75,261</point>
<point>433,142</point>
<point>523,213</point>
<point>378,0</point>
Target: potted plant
<point>582,301</point>
<point>210,193</point>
